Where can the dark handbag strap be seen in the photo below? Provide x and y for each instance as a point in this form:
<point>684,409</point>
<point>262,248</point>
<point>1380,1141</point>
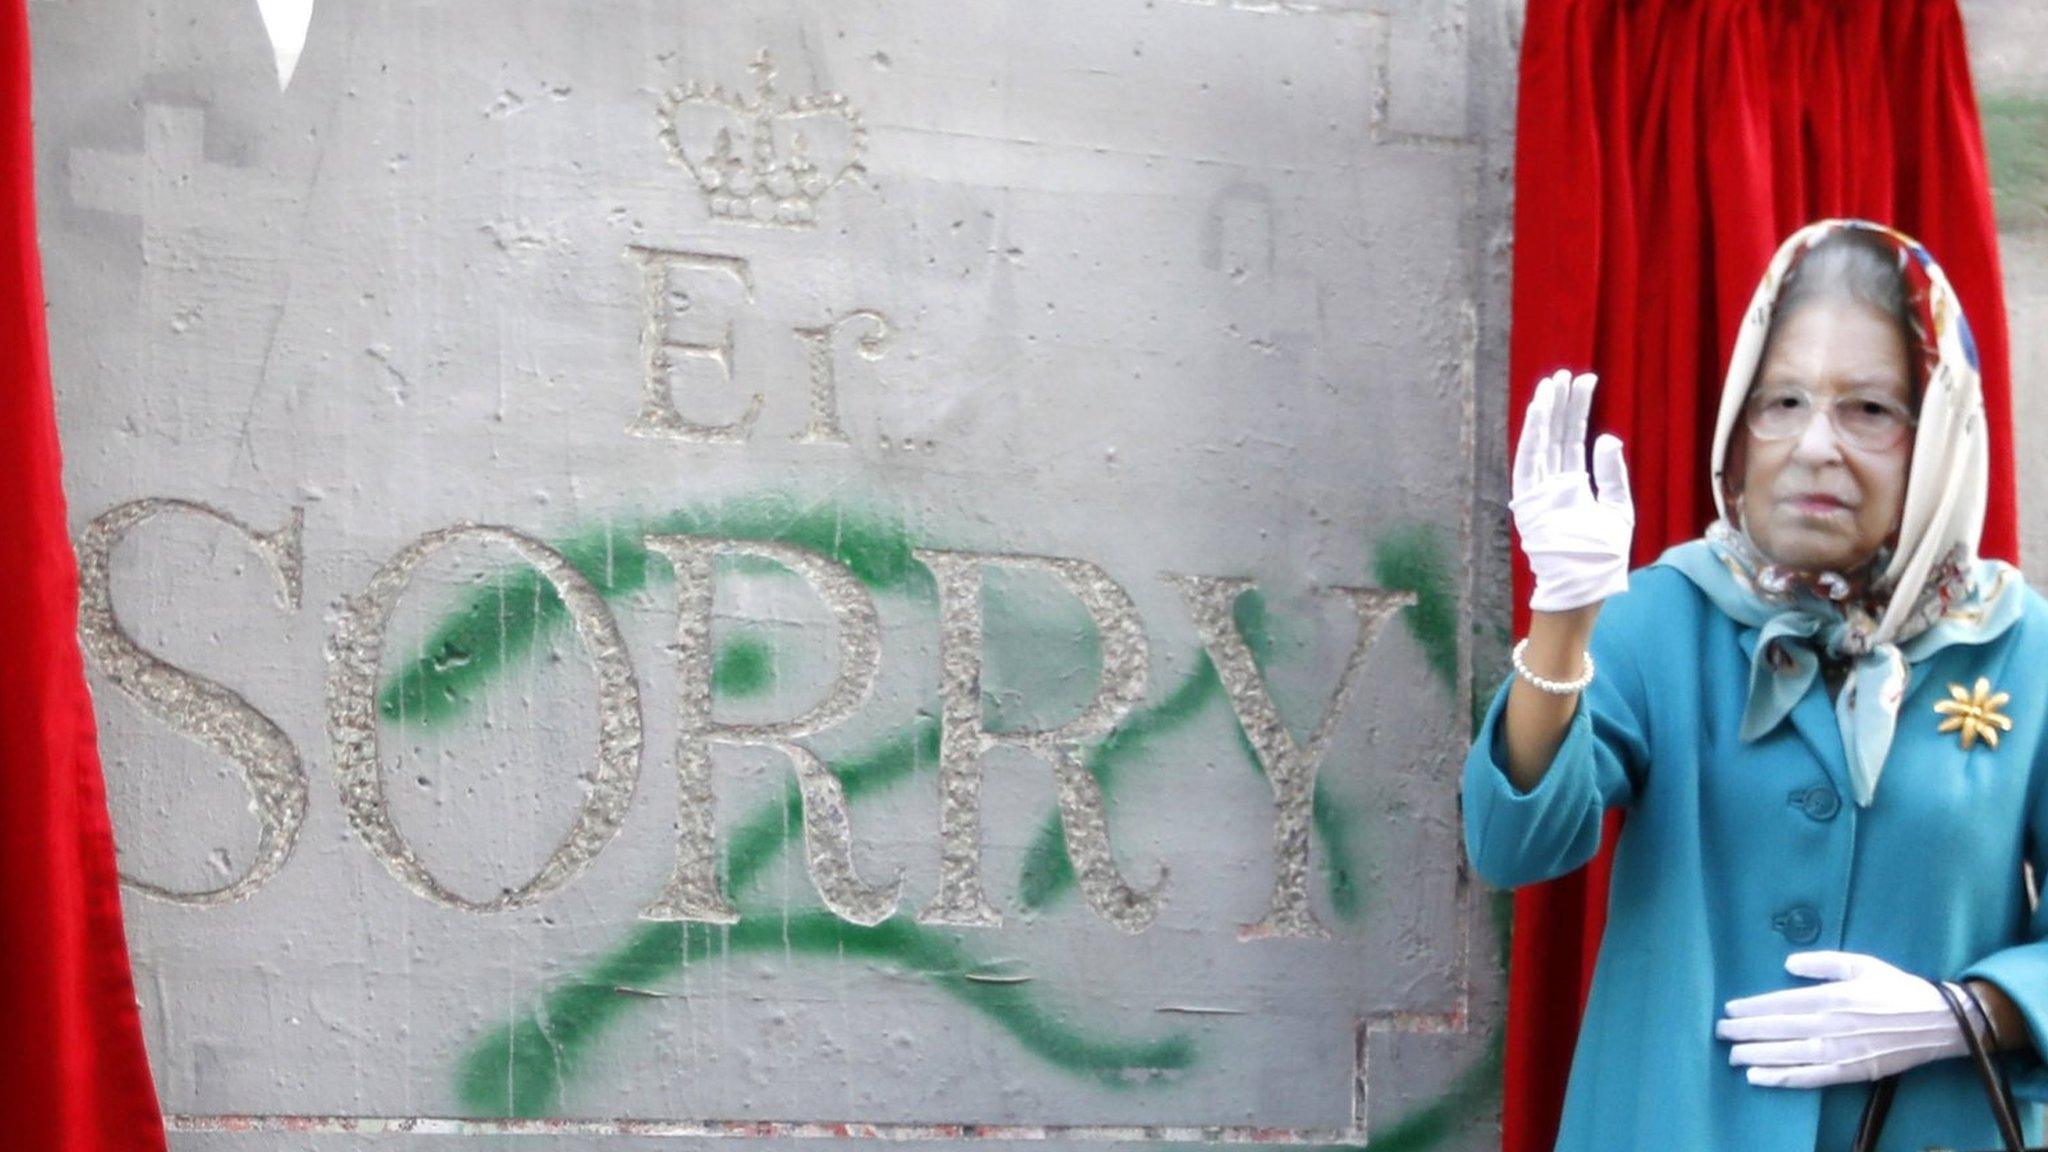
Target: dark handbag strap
<point>1874,1111</point>
<point>2003,1108</point>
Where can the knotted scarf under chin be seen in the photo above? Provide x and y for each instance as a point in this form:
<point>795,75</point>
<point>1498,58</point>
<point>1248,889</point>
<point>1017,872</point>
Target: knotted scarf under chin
<point>1799,621</point>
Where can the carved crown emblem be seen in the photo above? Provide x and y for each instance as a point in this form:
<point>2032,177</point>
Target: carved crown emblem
<point>762,159</point>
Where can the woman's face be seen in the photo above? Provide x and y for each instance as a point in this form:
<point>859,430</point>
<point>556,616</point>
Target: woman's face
<point>1814,500</point>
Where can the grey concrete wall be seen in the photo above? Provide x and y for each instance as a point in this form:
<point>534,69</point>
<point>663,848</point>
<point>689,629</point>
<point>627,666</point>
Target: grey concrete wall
<point>1095,384</point>
<point>1115,295</point>
<point>2009,62</point>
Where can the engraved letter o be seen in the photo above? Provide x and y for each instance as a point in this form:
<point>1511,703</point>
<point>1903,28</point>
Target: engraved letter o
<point>356,651</point>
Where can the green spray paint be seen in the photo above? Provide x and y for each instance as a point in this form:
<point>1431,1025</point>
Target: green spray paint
<point>1465,1100</point>
<point>1412,559</point>
<point>1049,875</point>
<point>1473,1093</point>
<point>1344,867</point>
<point>757,840</point>
<point>496,624</point>
<point>743,666</point>
<point>522,1069</point>
<point>527,1063</point>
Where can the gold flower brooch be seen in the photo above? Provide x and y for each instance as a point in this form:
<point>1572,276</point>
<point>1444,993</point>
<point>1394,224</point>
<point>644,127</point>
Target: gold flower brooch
<point>1974,713</point>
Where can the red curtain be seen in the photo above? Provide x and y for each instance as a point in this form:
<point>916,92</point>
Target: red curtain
<point>73,1074</point>
<point>1664,148</point>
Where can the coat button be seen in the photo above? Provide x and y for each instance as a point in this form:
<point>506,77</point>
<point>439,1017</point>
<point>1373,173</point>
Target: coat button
<point>1819,802</point>
<point>1799,923</point>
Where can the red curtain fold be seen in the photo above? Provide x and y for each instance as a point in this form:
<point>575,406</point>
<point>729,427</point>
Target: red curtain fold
<point>1664,148</point>
<point>73,1073</point>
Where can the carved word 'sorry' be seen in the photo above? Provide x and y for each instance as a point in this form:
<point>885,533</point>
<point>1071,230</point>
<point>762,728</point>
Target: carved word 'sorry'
<point>225,722</point>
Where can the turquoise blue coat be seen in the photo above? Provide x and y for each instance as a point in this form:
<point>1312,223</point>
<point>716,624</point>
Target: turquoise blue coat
<point>1734,856</point>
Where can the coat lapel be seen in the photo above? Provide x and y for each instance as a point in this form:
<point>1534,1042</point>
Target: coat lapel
<point>1813,717</point>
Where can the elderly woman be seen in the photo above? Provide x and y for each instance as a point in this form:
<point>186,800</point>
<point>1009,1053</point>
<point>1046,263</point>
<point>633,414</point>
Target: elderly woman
<point>1825,720</point>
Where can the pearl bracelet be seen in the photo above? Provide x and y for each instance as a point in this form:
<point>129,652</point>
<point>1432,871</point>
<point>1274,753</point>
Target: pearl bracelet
<point>1554,687</point>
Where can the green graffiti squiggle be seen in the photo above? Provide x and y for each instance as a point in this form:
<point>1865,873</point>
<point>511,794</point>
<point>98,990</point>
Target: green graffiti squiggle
<point>757,839</point>
<point>1048,874</point>
<point>496,624</point>
<point>1346,872</point>
<point>1452,1109</point>
<point>1411,559</point>
<point>1434,1121</point>
<point>521,1070</point>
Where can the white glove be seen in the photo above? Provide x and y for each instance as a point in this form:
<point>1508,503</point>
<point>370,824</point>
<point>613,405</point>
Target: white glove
<point>1871,1020</point>
<point>1577,544</point>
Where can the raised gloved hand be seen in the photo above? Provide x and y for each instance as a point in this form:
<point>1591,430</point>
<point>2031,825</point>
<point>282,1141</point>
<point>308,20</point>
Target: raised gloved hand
<point>1869,1021</point>
<point>1576,542</point>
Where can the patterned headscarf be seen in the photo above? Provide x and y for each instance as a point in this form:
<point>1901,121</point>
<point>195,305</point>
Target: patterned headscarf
<point>1927,590</point>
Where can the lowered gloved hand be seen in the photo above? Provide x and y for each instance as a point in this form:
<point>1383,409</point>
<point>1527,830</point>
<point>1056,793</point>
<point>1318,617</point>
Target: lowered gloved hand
<point>1577,543</point>
<point>1869,1021</point>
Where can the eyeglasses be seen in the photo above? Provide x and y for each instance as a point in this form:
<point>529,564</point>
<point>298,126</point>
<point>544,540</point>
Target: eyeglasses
<point>1871,422</point>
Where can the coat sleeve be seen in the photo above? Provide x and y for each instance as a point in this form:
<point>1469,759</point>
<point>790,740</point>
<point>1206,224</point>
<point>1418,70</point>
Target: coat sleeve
<point>2021,971</point>
<point>1514,837</point>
